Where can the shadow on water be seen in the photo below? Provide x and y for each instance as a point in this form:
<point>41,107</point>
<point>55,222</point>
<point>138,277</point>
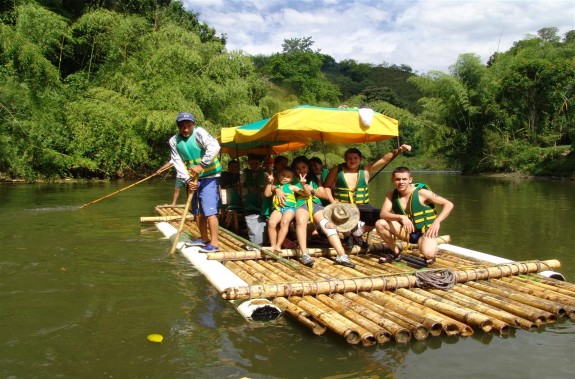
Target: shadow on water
<point>81,289</point>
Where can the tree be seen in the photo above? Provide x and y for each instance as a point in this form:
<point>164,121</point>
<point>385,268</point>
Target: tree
<point>298,45</point>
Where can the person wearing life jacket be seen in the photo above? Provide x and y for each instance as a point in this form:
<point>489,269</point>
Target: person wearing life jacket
<point>193,152</point>
<point>348,183</point>
<point>309,209</point>
<point>408,213</point>
<point>283,214</point>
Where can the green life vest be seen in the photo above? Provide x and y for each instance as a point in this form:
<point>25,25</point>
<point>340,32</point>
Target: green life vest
<point>344,194</point>
<point>290,201</point>
<point>192,155</point>
<point>255,182</point>
<point>421,215</point>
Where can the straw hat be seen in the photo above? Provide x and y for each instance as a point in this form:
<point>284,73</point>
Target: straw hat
<point>344,216</point>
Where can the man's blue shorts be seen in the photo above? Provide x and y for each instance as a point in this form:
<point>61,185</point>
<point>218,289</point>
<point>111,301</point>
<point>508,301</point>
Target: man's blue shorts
<point>415,236</point>
<point>206,198</point>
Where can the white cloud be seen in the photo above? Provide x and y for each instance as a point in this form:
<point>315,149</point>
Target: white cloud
<point>424,34</point>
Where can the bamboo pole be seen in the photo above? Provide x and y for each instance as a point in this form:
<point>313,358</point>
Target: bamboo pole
<point>433,327</point>
<point>163,218</point>
<point>328,318</point>
<point>451,326</point>
<point>554,282</point>
<point>497,316</point>
<point>267,252</point>
<point>461,314</point>
<point>549,307</point>
<point>182,222</point>
<point>547,288</point>
<point>377,319</point>
<point>377,283</point>
<point>503,313</point>
<point>379,315</point>
<point>538,291</point>
<point>125,188</point>
<point>418,331</point>
<point>300,315</point>
<point>528,312</point>
<point>363,325</point>
<point>233,267</point>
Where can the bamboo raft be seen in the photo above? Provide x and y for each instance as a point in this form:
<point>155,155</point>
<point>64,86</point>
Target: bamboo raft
<point>375,303</point>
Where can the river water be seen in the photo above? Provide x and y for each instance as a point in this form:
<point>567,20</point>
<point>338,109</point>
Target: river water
<point>80,289</point>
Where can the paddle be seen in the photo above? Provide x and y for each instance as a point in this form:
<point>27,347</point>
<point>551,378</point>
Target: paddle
<point>183,220</point>
<point>125,188</point>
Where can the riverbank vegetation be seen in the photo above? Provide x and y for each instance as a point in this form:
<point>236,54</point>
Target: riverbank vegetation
<point>90,89</point>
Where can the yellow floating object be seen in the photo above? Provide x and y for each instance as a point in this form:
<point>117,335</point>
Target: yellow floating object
<point>158,338</point>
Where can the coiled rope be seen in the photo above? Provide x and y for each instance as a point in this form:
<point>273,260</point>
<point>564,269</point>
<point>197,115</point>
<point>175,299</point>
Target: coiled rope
<point>439,279</point>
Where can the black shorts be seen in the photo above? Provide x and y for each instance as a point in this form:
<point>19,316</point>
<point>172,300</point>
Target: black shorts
<point>368,214</point>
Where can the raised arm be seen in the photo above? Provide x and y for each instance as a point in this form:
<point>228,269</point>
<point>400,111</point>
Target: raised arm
<point>386,158</point>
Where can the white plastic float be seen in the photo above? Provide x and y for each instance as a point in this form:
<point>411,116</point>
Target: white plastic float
<point>221,278</point>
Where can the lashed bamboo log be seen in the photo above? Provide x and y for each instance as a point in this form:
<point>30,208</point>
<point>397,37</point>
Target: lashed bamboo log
<point>464,315</point>
<point>536,289</point>
<point>379,316</point>
<point>499,317</point>
<point>377,283</point>
<point>451,326</point>
<point>418,331</point>
<point>432,326</point>
<point>528,312</point>
<point>328,318</point>
<point>382,334</point>
<point>554,282</point>
<point>541,283</point>
<point>233,267</point>
<point>300,315</point>
<point>503,314</point>
<point>364,326</point>
<point>548,306</point>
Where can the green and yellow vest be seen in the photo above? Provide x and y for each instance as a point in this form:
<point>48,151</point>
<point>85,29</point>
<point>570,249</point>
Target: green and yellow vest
<point>421,215</point>
<point>344,194</point>
<point>192,155</point>
<point>290,201</point>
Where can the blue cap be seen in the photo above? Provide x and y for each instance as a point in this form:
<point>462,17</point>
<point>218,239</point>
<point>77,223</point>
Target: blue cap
<point>184,116</point>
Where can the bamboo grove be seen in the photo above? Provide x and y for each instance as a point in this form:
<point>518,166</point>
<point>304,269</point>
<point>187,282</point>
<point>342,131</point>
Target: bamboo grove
<point>89,89</point>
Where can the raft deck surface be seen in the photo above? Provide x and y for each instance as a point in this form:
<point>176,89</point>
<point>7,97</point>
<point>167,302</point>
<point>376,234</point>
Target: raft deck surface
<point>375,303</point>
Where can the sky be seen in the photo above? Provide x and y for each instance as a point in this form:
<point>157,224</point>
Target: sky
<point>423,34</point>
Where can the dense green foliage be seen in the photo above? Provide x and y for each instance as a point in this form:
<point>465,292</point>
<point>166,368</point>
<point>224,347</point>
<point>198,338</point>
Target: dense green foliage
<point>90,89</point>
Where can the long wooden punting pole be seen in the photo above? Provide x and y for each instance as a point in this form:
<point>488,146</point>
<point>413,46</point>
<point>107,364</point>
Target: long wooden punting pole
<point>380,283</point>
<point>183,221</point>
<point>125,188</point>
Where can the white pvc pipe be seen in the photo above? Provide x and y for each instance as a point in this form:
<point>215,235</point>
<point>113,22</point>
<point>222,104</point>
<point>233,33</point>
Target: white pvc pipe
<point>221,278</point>
<point>492,259</point>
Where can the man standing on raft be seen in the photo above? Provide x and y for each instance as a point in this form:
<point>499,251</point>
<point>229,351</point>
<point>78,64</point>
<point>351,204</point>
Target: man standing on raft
<point>408,212</point>
<point>194,153</point>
